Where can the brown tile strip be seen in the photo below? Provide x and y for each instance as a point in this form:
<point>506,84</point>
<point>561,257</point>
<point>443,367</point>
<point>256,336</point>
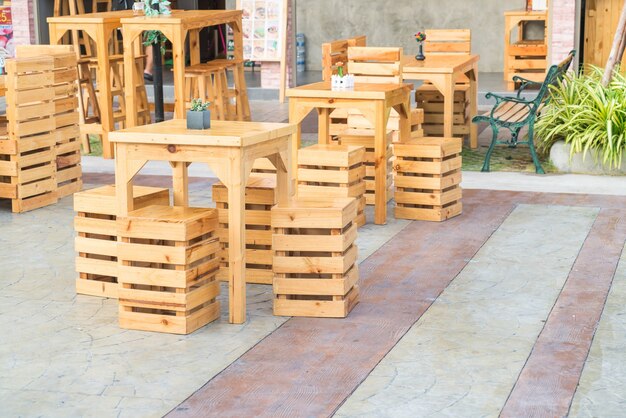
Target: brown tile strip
<point>548,381</point>
<point>309,366</point>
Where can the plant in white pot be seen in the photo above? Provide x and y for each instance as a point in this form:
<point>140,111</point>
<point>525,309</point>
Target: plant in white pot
<point>199,116</point>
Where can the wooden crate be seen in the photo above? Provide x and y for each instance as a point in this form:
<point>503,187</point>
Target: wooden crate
<point>365,138</point>
<point>315,255</point>
<point>260,197</point>
<point>39,161</point>
<point>96,240</point>
<point>168,262</point>
<point>333,171</point>
<point>356,120</point>
<point>262,167</point>
<point>428,177</point>
<point>430,100</point>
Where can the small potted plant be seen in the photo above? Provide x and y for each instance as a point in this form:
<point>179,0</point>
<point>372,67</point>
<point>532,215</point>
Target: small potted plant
<point>420,37</point>
<point>199,116</point>
<point>341,81</point>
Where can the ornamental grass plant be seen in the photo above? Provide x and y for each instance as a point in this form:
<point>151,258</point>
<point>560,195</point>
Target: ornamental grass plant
<point>586,115</point>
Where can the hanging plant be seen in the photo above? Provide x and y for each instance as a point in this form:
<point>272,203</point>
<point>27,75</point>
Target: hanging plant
<point>155,37</point>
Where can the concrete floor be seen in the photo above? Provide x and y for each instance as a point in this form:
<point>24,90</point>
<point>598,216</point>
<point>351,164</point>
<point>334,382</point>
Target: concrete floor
<point>514,308</point>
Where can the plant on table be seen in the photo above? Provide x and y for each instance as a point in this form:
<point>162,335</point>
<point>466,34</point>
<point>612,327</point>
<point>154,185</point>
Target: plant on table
<point>199,115</point>
<point>586,115</point>
<point>341,80</point>
<point>153,37</point>
<point>420,37</point>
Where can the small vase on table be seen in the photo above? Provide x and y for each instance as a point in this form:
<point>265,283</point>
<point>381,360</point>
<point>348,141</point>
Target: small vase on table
<point>420,37</point>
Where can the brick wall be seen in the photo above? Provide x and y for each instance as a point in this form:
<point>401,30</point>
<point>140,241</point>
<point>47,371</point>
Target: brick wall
<point>563,28</point>
<point>23,22</point>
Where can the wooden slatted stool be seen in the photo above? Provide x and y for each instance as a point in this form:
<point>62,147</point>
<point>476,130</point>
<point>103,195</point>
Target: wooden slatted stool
<point>430,99</point>
<point>315,255</point>
<point>212,83</point>
<point>168,262</point>
<point>356,120</point>
<point>260,197</point>
<point>364,138</point>
<point>28,139</point>
<point>428,178</point>
<point>96,241</point>
<point>263,167</point>
<point>333,171</point>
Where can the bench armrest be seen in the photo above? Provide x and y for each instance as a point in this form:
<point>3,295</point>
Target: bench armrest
<point>500,99</point>
<point>524,83</point>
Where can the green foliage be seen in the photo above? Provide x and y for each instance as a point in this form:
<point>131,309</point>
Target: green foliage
<point>586,115</point>
<point>154,36</point>
<point>198,106</point>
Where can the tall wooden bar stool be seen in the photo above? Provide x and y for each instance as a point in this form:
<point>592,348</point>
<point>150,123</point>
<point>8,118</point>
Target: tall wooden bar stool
<point>209,84</point>
<point>236,105</point>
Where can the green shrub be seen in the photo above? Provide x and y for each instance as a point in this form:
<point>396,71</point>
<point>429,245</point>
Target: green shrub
<point>589,117</point>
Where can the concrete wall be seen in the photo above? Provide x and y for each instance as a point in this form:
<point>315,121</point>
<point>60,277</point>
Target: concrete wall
<point>393,23</point>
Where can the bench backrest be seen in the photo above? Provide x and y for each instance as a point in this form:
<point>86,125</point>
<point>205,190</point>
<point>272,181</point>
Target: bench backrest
<point>375,65</point>
<point>337,51</point>
<point>554,75</point>
<point>448,42</point>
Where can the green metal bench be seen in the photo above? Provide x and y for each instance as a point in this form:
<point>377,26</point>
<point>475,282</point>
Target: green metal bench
<point>513,113</point>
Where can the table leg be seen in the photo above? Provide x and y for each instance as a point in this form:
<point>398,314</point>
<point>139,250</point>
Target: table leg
<point>123,182</point>
<point>473,93</point>
<point>284,185</point>
<point>380,156</point>
<point>130,93</point>
<point>178,52</point>
<point>180,183</point>
<point>104,85</point>
<point>237,242</point>
<point>296,141</point>
<point>448,106</point>
<point>194,46</point>
<point>323,124</point>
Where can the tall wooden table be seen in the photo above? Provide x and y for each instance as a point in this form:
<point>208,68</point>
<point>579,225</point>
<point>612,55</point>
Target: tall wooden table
<point>230,149</point>
<point>176,27</point>
<point>100,27</point>
<point>443,71</point>
<point>375,101</point>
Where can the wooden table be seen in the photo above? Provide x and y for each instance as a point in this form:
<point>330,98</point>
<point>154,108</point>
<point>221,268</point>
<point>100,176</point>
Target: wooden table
<point>230,149</point>
<point>176,27</point>
<point>442,71</point>
<point>100,27</point>
<point>375,101</point>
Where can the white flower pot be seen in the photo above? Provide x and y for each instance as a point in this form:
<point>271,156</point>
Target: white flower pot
<point>342,83</point>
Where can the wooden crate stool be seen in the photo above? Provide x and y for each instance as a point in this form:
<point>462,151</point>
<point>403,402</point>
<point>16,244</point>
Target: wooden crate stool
<point>315,254</point>
<point>260,197</point>
<point>429,99</point>
<point>333,171</point>
<point>168,260</point>
<point>96,240</point>
<point>523,57</point>
<point>263,167</point>
<point>364,138</point>
<point>28,138</point>
<point>428,178</point>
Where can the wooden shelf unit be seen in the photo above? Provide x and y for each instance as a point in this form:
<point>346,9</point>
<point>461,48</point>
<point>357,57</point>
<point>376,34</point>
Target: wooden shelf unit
<point>525,58</point>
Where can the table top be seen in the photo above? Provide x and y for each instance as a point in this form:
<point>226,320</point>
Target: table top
<point>100,17</point>
<point>221,134</point>
<point>189,18</point>
<point>442,64</point>
<point>537,13</point>
<point>369,91</point>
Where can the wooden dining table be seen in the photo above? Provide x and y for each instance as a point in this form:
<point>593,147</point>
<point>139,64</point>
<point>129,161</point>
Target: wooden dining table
<point>230,149</point>
<point>177,26</point>
<point>443,71</point>
<point>375,101</point>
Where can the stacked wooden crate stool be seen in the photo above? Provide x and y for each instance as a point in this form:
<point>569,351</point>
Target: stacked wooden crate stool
<point>260,197</point>
<point>525,58</point>
<point>96,241</point>
<point>315,255</point>
<point>169,258</point>
<point>428,178</point>
<point>39,148</point>
<point>333,171</point>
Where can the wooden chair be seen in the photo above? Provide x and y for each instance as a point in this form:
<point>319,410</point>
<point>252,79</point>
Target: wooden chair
<point>332,53</point>
<point>513,113</point>
<point>427,97</point>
